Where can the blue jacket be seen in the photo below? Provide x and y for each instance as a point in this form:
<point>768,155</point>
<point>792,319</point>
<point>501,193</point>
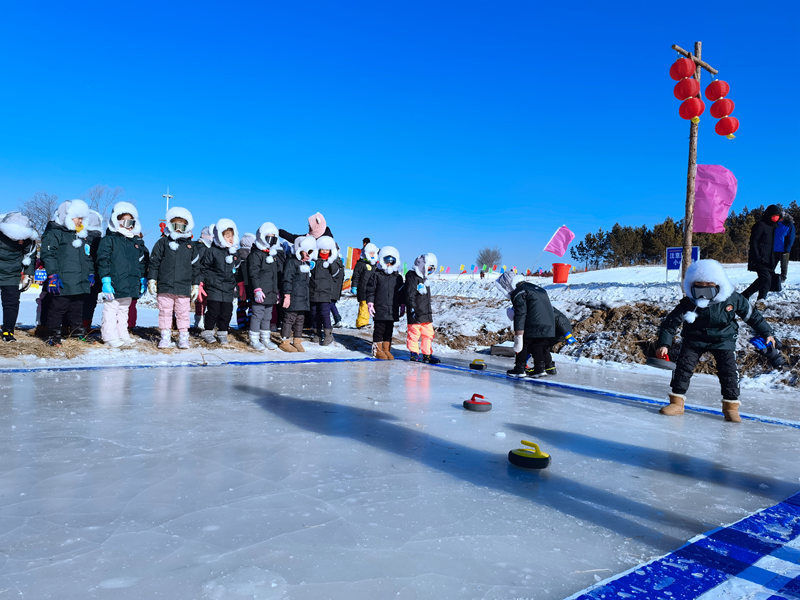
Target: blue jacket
<point>784,235</point>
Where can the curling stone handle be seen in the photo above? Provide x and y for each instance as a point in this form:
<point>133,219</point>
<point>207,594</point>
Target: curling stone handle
<point>531,444</point>
<point>476,396</point>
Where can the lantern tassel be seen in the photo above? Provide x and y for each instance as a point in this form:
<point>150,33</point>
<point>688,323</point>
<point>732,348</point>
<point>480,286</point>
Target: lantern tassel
<point>730,136</point>
<point>695,120</point>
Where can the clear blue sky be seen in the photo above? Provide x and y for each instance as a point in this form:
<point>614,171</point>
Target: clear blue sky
<point>431,126</point>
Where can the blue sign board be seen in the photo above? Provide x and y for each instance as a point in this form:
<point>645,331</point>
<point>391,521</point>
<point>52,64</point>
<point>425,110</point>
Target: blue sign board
<point>39,275</point>
<point>674,256</point>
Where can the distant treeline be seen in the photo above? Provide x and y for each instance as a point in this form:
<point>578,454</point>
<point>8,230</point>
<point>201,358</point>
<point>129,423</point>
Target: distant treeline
<point>624,245</point>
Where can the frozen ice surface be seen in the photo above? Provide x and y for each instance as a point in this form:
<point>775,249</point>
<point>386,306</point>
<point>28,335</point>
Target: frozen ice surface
<point>353,480</point>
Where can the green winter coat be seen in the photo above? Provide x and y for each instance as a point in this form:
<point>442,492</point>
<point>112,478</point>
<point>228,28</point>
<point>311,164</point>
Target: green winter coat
<point>73,264</point>
<point>12,255</point>
<point>175,265</point>
<point>715,327</point>
<point>218,273</point>
<point>123,259</point>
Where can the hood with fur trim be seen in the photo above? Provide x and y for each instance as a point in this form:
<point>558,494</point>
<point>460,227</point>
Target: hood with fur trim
<point>16,226</point>
<point>317,225</point>
<point>423,262</point>
<point>370,249</point>
<point>508,282</point>
<point>247,240</point>
<point>305,243</point>
<point>224,225</point>
<point>326,242</point>
<point>72,209</point>
<point>120,208</point>
<point>389,251</point>
<point>178,212</point>
<point>708,270</point>
<point>266,230</point>
<point>206,235</point>
<point>94,222</point>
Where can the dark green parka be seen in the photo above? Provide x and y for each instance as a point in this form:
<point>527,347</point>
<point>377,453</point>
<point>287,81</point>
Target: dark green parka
<point>175,265</point>
<point>123,259</point>
<point>66,254</point>
<point>15,257</point>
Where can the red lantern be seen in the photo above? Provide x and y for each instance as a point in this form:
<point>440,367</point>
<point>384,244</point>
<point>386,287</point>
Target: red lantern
<point>691,109</point>
<point>721,108</point>
<point>727,126</point>
<point>686,88</point>
<point>682,68</point>
<point>717,89</point>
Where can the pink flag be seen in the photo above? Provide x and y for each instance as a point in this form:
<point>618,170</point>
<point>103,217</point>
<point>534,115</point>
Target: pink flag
<point>715,189</point>
<point>560,241</point>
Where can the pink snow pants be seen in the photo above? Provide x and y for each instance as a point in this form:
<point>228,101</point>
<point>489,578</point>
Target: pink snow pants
<point>169,303</point>
<point>417,331</point>
<point>115,319</point>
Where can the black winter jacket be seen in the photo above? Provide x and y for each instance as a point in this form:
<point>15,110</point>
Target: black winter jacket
<point>361,274</point>
<point>12,253</point>
<point>563,324</point>
<point>385,291</point>
<point>219,275</point>
<point>175,271</point>
<point>72,265</point>
<point>715,327</point>
<point>338,281</point>
<point>762,241</point>
<point>265,275</point>
<point>533,313</point>
<point>122,259</point>
<point>418,304</point>
<point>296,283</point>
<point>323,281</point>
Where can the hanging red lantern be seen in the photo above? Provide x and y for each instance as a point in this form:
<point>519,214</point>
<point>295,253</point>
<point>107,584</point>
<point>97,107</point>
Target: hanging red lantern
<point>682,68</point>
<point>717,89</point>
<point>727,126</point>
<point>691,109</point>
<point>686,88</point>
<point>721,108</point>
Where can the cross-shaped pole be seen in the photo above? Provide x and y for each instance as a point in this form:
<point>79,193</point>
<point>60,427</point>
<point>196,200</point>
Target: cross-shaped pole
<point>168,197</point>
<point>688,222</point>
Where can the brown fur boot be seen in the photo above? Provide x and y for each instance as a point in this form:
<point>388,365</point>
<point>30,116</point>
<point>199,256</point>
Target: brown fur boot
<point>387,350</point>
<point>675,406</point>
<point>298,344</point>
<point>378,352</point>
<point>286,346</point>
<point>730,410</point>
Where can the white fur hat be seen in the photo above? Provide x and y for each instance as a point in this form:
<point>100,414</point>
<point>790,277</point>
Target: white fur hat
<point>370,253</point>
<point>389,251</point>
<point>706,270</point>
<point>71,209</point>
<point>423,262</point>
<point>305,243</point>
<point>247,240</point>
<point>266,230</point>
<point>178,212</point>
<point>508,282</point>
<point>221,226</point>
<point>17,226</point>
<point>326,242</point>
<point>120,208</point>
<point>94,222</point>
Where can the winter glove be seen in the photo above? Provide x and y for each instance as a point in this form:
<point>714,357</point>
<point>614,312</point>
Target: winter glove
<point>193,292</point>
<point>108,289</point>
<point>662,353</point>
<point>510,313</point>
<point>54,285</point>
<point>517,343</point>
<point>91,279</point>
<point>142,286</point>
<point>570,339</point>
<point>25,282</point>
<point>354,291</point>
<point>402,310</point>
<point>371,308</point>
<point>201,292</point>
<point>287,300</point>
<point>259,295</point>
<point>152,287</point>
<point>242,292</point>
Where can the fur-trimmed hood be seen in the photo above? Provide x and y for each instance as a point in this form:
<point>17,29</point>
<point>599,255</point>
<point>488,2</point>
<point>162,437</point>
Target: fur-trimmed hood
<point>223,225</point>
<point>178,212</point>
<point>247,240</point>
<point>120,208</point>
<point>389,251</point>
<point>326,242</point>
<point>266,230</point>
<point>370,249</point>
<point>508,282</point>
<point>72,209</point>
<point>94,222</point>
<point>16,226</point>
<point>424,261</point>
<point>307,243</point>
<point>207,235</point>
<point>708,270</point>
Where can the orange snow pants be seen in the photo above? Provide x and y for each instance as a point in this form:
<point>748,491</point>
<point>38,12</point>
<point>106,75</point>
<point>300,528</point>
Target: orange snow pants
<point>420,335</point>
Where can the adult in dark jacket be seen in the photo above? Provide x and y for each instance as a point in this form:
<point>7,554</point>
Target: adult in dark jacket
<point>317,227</point>
<point>174,275</point>
<point>70,270</point>
<point>218,275</point>
<point>325,276</point>
<point>419,314</point>
<point>121,267</point>
<point>296,283</point>
<point>784,240</point>
<point>385,301</point>
<point>534,324</point>
<point>17,263</point>
<point>264,267</point>
<point>708,315</point>
<point>365,267</point>
<point>760,258</point>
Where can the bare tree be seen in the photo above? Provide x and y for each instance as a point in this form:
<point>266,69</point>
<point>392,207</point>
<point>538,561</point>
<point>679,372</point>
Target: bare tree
<point>489,256</point>
<point>102,197</point>
<point>40,209</point>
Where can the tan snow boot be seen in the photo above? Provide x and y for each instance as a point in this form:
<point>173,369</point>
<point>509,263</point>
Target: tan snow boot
<point>387,350</point>
<point>675,406</point>
<point>298,344</point>
<point>730,410</point>
<point>286,346</point>
<point>377,351</point>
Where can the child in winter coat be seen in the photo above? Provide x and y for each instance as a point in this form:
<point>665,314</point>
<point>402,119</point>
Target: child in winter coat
<point>296,288</point>
<point>243,281</point>
<point>121,268</point>
<point>204,243</point>
<point>174,276</point>
<point>264,268</point>
<point>385,301</point>
<point>218,275</point>
<point>325,276</point>
<point>534,324</point>
<point>70,270</point>
<point>708,315</point>
<point>17,262</point>
<point>94,226</point>
<point>365,267</point>
<point>419,312</point>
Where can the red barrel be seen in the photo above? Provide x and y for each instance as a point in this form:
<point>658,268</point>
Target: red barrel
<point>561,272</point>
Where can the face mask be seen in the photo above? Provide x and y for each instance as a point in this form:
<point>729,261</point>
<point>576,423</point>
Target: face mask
<point>324,254</point>
<point>389,260</point>
<point>704,293</point>
<point>775,218</point>
<point>127,223</point>
<point>179,227</point>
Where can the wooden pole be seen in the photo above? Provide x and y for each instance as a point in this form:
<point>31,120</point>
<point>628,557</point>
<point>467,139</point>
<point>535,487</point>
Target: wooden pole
<point>688,222</point>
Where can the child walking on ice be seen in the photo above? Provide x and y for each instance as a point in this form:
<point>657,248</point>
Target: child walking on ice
<point>419,312</point>
<point>384,301</point>
<point>708,315</point>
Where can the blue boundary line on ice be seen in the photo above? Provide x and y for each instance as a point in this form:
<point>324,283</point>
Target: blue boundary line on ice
<point>710,559</point>
<point>640,399</point>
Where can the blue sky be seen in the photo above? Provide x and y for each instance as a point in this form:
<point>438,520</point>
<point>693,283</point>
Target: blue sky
<point>435,126</point>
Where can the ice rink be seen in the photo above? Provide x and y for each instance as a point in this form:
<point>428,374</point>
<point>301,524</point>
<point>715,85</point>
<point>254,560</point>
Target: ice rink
<point>349,480</point>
